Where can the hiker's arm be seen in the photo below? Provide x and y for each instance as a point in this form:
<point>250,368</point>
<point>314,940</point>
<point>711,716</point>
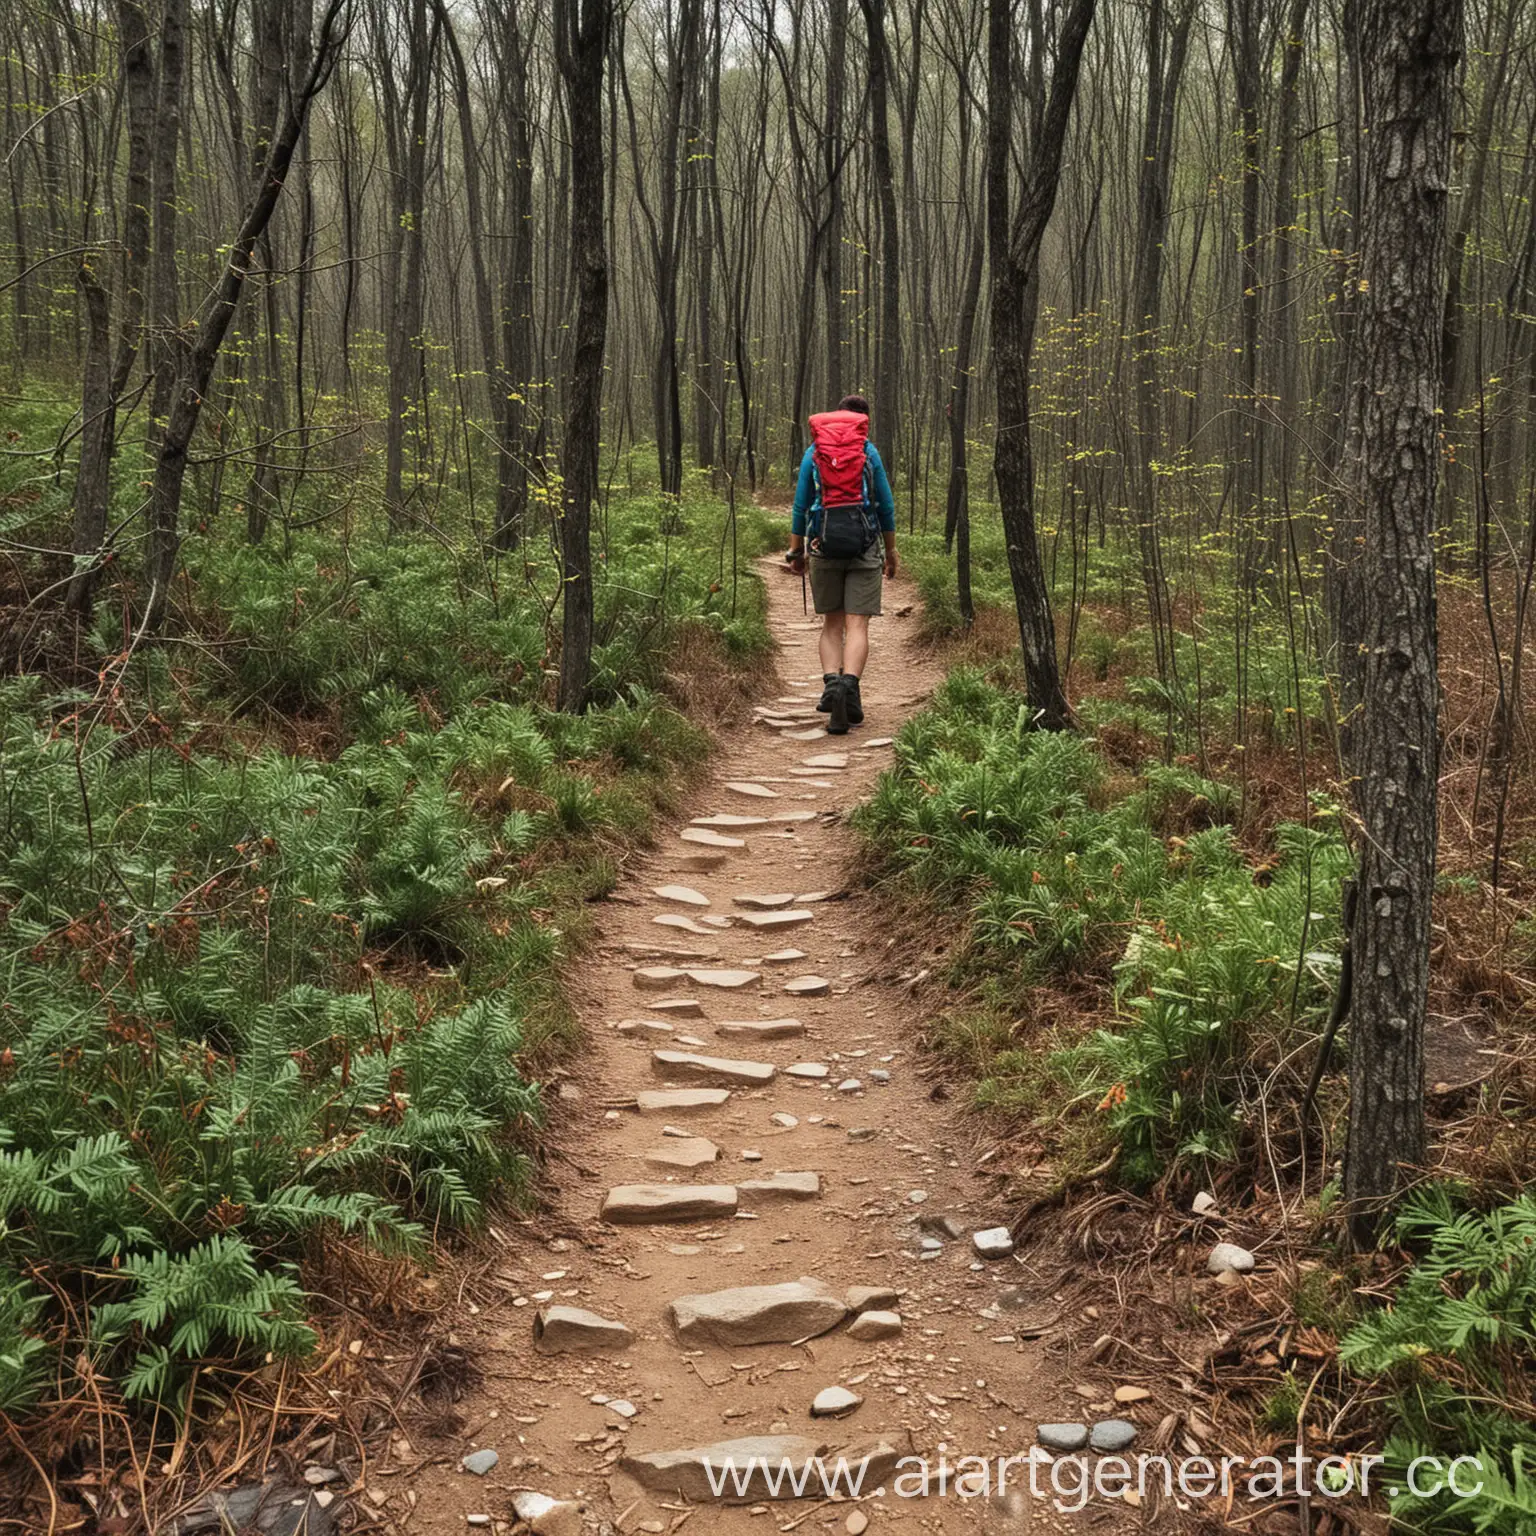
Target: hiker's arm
<point>805,496</point>
<point>885,507</point>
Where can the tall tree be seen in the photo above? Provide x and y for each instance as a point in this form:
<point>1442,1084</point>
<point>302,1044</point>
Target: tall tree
<point>581,43</point>
<point>1015,238</point>
<point>888,337</point>
<point>1405,60</point>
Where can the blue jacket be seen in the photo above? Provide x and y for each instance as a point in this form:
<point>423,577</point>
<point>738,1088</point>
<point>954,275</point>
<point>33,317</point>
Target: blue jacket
<point>805,491</point>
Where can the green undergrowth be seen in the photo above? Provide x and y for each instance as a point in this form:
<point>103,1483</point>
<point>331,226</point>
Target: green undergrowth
<point>1456,1351</point>
<point>284,908</point>
<point>1138,893</point>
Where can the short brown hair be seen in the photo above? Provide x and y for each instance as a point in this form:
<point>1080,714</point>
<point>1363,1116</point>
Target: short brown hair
<point>854,403</point>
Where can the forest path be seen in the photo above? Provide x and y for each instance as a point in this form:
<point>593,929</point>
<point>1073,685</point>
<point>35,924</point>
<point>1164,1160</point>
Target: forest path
<point>887,1153</point>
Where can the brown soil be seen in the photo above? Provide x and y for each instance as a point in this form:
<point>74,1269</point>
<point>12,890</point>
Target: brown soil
<point>977,1385</point>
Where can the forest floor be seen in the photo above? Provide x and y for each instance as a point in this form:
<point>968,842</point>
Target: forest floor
<point>971,1370</point>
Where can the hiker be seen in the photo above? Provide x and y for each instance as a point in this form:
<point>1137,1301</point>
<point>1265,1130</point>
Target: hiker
<point>843,511</point>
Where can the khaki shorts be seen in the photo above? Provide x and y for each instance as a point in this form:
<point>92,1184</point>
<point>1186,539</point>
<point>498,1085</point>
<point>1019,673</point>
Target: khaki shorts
<point>848,586</point>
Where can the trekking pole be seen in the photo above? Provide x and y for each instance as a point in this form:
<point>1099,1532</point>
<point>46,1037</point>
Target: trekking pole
<point>805,606</point>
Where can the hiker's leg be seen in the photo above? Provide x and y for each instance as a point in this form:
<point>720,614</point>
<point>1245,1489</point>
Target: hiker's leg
<point>830,642</point>
<point>855,643</point>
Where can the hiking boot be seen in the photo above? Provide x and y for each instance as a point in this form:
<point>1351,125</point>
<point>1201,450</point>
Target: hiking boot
<point>837,709</point>
<point>855,703</point>
<point>829,681</point>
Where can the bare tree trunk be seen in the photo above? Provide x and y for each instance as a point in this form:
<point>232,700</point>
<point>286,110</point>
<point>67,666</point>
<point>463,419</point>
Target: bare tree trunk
<point>105,376</point>
<point>1407,51</point>
<point>581,42</point>
<point>888,350</point>
<point>1015,244</point>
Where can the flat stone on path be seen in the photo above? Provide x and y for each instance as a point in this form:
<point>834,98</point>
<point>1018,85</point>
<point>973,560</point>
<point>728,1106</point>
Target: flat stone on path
<point>785,957</point>
<point>781,1186</point>
<point>710,838</point>
<point>765,903</point>
<point>679,1007</point>
<point>686,1066</point>
<point>661,949</point>
<point>681,893</point>
<point>834,1402</point>
<point>793,816</point>
<point>806,986</point>
<point>693,1473</point>
<point>678,1101</point>
<point>761,1029</point>
<point>631,1203</point>
<point>827,760</point>
<point>574,1330</point>
<point>876,1323</point>
<point>872,1298</point>
<point>643,1027</point>
<point>807,1069</point>
<point>683,921</point>
<point>727,819</point>
<point>683,1152</point>
<point>994,1243</point>
<point>756,791</point>
<point>774,919</point>
<point>655,978</point>
<point>727,979</point>
<point>815,734</point>
<point>480,1462</point>
<point>759,1314</point>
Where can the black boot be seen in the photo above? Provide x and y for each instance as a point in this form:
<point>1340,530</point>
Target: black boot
<point>855,703</point>
<point>837,692</point>
<point>828,683</point>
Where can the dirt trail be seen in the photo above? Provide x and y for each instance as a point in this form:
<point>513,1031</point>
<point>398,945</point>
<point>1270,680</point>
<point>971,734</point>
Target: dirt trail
<point>972,1383</point>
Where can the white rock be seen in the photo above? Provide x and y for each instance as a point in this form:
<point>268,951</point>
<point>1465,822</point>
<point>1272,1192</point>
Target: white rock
<point>681,893</point>
<point>834,1402</point>
<point>1229,1257</point>
<point>1203,1204</point>
<point>993,1243</point>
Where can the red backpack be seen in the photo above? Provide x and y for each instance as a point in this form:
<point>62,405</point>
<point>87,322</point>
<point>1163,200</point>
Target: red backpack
<point>842,529</point>
<point>837,440</point>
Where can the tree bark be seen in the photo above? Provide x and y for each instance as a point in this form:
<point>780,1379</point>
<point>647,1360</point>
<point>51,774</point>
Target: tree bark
<point>581,43</point>
<point>1407,52</point>
<point>1015,243</point>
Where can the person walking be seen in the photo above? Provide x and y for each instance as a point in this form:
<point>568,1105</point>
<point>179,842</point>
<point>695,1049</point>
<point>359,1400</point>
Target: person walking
<point>844,513</point>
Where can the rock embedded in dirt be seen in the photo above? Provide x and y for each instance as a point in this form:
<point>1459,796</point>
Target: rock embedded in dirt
<point>784,1119</point>
<point>826,760</point>
<point>879,1075</point>
<point>772,920</point>
<point>694,1472</point>
<point>627,1204</point>
<point>686,1152</point>
<point>781,1186</point>
<point>877,1298</point>
<point>1062,1437</point>
<point>698,863</point>
<point>1228,1256</point>
<point>856,1523</point>
<point>545,1516</point>
<point>660,949</point>
<point>834,1403</point>
<point>755,791</point>
<point>686,1066</point>
<point>1112,1435</point>
<point>850,1085</point>
<point>664,1101</point>
<point>793,817</point>
<point>938,1225</point>
<point>480,1462</point>
<point>679,1007</point>
<point>815,734</point>
<point>863,1133</point>
<point>808,986</point>
<point>765,903</point>
<point>811,1070</point>
<point>761,1029</point>
<point>683,894</point>
<point>759,1314</point>
<point>728,819</point>
<point>993,1243</point>
<point>785,957</point>
<point>876,1323</point>
<point>656,978</point>
<point>642,1027</point>
<point>707,837</point>
<point>730,980</point>
<point>683,921</point>
<point>561,1330</point>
